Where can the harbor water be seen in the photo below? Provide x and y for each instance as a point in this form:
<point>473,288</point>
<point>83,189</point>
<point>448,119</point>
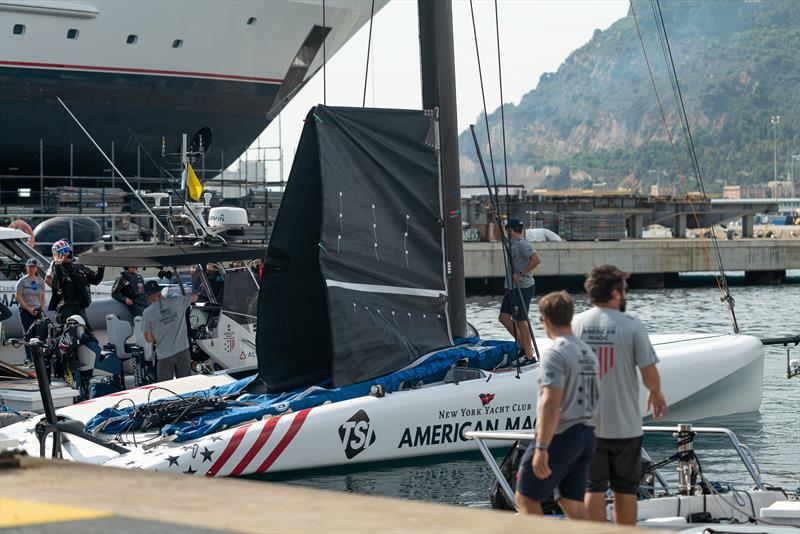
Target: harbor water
<point>772,433</point>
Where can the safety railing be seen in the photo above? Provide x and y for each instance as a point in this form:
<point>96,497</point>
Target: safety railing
<point>116,229</point>
<point>481,437</point>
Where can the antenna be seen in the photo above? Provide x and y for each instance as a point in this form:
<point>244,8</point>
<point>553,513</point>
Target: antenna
<point>155,217</point>
<point>180,194</point>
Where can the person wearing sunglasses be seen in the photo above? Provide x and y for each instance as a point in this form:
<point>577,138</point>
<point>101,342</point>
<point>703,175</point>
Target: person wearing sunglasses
<point>30,296</point>
<point>70,283</point>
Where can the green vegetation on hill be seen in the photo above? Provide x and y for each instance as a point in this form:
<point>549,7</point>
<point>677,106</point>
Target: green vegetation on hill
<point>596,119</point>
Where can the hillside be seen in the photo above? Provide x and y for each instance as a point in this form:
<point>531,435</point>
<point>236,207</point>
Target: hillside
<point>596,119</point>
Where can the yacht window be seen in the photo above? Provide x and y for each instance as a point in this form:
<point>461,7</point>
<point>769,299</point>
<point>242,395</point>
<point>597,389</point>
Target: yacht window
<point>132,39</point>
<point>251,21</point>
<point>72,33</point>
<point>13,253</point>
<point>19,29</point>
<point>240,300</point>
<point>177,43</point>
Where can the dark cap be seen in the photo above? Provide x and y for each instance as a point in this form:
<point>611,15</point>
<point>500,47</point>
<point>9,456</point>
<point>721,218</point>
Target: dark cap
<point>515,224</point>
<point>31,262</point>
<point>151,287</point>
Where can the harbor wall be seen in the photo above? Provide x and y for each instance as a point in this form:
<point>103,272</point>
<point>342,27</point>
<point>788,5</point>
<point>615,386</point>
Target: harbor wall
<point>641,256</point>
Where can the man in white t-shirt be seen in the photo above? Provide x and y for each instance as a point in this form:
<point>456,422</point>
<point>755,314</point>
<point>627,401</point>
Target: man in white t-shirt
<point>622,345</point>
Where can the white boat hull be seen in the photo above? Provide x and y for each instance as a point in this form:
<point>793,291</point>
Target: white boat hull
<point>426,421</point>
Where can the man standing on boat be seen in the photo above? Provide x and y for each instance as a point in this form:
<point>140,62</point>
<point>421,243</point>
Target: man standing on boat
<point>514,310</point>
<point>164,323</point>
<point>560,455</point>
<point>129,290</point>
<point>622,345</point>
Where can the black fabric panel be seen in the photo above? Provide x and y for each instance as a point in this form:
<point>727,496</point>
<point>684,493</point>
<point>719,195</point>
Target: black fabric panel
<point>377,333</point>
<point>359,177</point>
<point>380,186</point>
<point>379,167</point>
<point>293,336</point>
<point>170,255</point>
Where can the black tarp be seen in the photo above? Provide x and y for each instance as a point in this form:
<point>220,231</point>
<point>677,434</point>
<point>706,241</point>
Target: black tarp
<point>170,255</point>
<point>354,286</point>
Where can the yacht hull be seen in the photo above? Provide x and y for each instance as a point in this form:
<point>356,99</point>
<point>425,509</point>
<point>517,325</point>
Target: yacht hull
<point>231,113</point>
<point>427,421</point>
<point>221,69</point>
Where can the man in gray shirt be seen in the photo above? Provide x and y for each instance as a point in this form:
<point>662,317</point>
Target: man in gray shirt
<point>164,323</point>
<point>519,287</point>
<point>559,457</point>
<point>622,345</point>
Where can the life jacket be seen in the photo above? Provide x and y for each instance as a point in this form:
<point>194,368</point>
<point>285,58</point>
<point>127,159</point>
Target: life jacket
<point>71,287</point>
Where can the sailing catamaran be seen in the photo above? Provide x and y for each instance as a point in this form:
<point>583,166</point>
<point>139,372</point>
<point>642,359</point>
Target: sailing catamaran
<point>356,351</point>
<point>362,343</point>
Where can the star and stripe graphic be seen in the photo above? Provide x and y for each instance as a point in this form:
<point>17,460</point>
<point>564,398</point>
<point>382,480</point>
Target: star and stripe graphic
<point>251,440</point>
<point>605,359</point>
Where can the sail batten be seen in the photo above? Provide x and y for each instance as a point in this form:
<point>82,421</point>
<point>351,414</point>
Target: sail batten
<point>392,290</point>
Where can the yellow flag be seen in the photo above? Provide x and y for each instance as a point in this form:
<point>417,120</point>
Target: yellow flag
<point>193,185</point>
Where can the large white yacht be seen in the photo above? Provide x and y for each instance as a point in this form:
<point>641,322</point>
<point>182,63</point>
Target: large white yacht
<point>218,70</point>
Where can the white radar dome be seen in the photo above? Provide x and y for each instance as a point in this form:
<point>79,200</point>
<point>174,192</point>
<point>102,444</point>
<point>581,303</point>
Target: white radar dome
<point>226,217</point>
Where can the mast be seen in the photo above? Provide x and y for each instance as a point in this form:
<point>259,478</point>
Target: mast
<point>184,166</point>
<point>439,91</point>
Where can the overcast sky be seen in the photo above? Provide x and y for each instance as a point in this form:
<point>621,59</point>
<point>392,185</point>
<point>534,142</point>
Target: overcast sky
<point>536,36</point>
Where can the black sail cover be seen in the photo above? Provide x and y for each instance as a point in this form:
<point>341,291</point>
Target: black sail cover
<point>354,284</point>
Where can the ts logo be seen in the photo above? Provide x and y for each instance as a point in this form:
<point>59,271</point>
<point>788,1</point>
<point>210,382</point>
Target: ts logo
<point>356,435</point>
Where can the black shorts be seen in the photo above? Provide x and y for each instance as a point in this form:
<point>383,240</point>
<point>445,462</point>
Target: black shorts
<point>616,463</point>
<point>511,302</point>
<point>569,457</point>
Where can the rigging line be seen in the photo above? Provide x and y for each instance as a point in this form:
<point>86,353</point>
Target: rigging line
<point>369,45</point>
<point>727,298</point>
<point>502,106</point>
<point>496,199</point>
<point>324,58</point>
<point>683,120</point>
<point>505,241</point>
<point>179,194</point>
<point>146,207</point>
<point>679,166</point>
<point>505,169</point>
<point>670,76</point>
<point>483,97</point>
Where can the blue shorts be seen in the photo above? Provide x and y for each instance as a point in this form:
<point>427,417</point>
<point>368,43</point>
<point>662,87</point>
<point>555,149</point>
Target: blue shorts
<point>569,456</point>
<point>511,306</point>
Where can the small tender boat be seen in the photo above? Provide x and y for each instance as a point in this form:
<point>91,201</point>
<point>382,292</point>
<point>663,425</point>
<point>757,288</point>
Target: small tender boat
<point>14,252</point>
<point>694,504</point>
<point>354,345</point>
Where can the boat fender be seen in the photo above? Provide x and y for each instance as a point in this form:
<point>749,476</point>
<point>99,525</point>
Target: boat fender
<point>19,224</point>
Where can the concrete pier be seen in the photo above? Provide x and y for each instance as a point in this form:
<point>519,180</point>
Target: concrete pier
<point>659,257</point>
<point>56,496</point>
